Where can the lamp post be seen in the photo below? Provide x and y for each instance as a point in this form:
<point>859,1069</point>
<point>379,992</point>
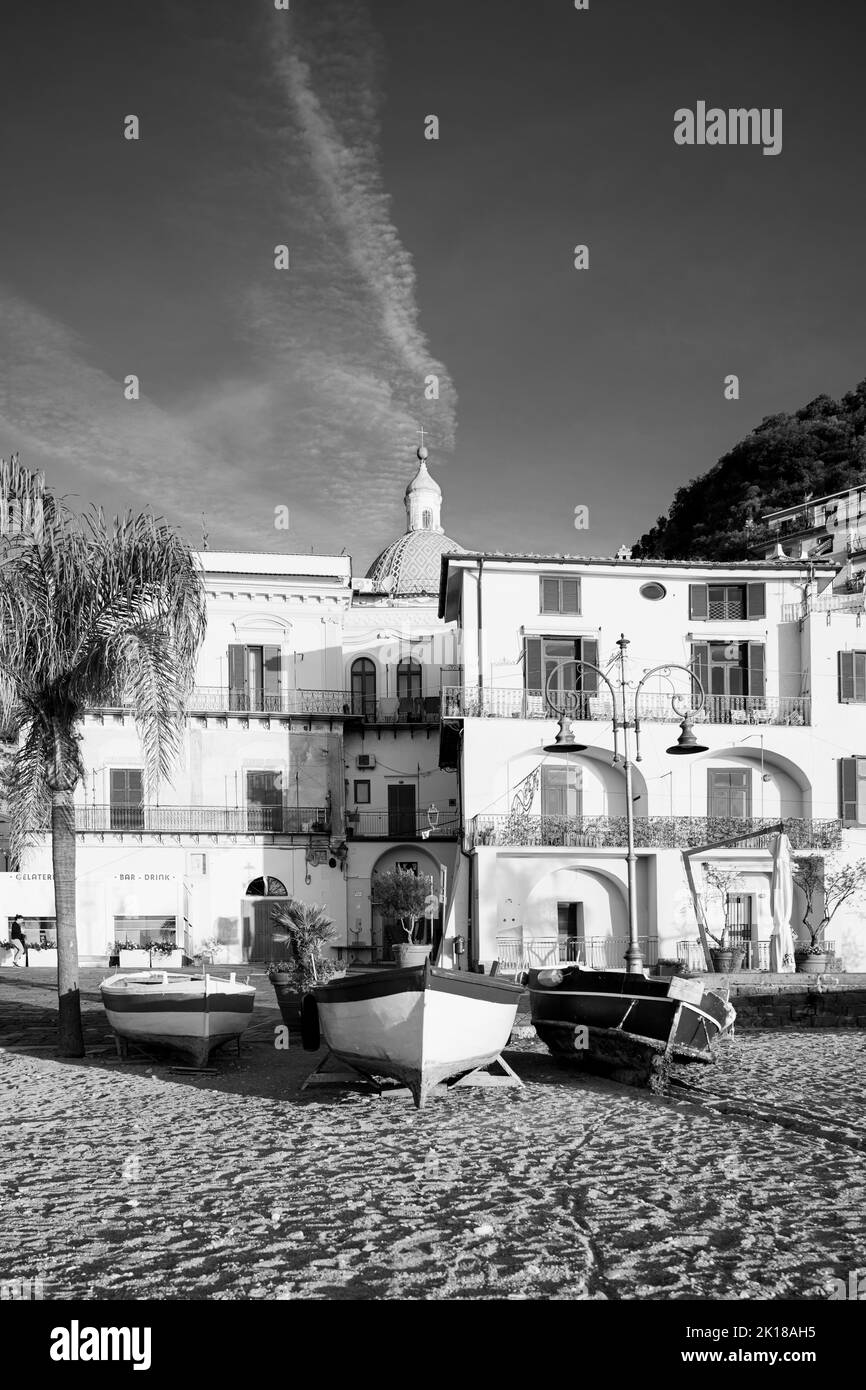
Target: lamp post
<point>687,743</point>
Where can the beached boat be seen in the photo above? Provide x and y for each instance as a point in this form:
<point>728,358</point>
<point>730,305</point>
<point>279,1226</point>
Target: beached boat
<point>191,1013</point>
<point>626,1026</point>
<point>420,1025</point>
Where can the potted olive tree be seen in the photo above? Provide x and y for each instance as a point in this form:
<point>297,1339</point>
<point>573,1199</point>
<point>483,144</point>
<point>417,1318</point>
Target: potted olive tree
<point>403,895</point>
<point>720,884</point>
<point>835,884</point>
<point>308,929</point>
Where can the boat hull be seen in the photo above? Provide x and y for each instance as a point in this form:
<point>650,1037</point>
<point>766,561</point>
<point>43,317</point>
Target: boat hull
<point>192,1014</point>
<point>614,1022</point>
<point>420,1025</point>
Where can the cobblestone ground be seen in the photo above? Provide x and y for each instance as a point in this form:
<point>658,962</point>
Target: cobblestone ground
<point>133,1181</point>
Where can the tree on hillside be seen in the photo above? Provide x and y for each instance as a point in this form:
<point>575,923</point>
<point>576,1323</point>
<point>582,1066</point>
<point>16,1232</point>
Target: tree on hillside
<point>91,612</point>
<point>787,458</point>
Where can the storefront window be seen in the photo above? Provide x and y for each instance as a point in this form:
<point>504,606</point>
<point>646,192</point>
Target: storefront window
<point>137,930</point>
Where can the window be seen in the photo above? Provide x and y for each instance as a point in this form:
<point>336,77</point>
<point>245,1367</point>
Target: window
<point>37,929</point>
<point>264,801</point>
<point>427,519</point>
<point>126,791</point>
<point>560,595</point>
<point>548,669</point>
<point>363,679</point>
<point>727,602</point>
<point>729,793</point>
<point>730,668</point>
<point>198,864</point>
<point>137,931</point>
<point>255,678</point>
<point>852,677</point>
<point>653,592</point>
<point>266,888</point>
<point>852,790</point>
<point>561,791</point>
<point>362,793</point>
<point>409,680</point>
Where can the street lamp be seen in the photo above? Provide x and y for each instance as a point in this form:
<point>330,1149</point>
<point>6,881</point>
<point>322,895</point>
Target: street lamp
<point>565,742</point>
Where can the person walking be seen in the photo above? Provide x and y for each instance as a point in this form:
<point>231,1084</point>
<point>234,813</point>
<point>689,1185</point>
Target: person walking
<point>18,940</point>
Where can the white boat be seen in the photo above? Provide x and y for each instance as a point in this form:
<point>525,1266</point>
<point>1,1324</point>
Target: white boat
<point>192,1013</point>
<point>420,1025</point>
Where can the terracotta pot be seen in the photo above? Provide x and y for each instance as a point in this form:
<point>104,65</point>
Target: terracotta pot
<point>289,1000</point>
<point>726,962</point>
<point>410,955</point>
<point>812,965</point>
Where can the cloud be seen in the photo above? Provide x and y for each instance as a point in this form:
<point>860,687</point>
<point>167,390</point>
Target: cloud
<point>309,389</point>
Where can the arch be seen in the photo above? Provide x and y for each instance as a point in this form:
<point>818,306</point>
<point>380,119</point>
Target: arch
<point>428,866</point>
<point>362,680</point>
<point>750,752</point>
<point>603,894</point>
<point>264,623</point>
<point>267,886</point>
<point>409,676</point>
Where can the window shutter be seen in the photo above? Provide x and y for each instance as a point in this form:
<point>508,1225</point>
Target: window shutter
<point>860,677</point>
<point>588,652</point>
<point>237,677</point>
<point>848,789</point>
<point>532,664</point>
<point>701,664</point>
<point>846,676</point>
<point>550,595</point>
<point>272,663</point>
<point>554,791</point>
<point>756,601</point>
<point>697,600</point>
<point>571,596</point>
<point>756,668</point>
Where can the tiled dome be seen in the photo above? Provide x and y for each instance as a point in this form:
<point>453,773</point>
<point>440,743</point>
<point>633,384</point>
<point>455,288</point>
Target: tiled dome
<point>410,565</point>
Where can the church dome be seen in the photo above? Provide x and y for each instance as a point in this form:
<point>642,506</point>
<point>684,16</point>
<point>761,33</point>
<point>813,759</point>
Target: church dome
<point>410,565</point>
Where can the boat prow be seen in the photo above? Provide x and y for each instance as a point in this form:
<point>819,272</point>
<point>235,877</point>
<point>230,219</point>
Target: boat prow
<point>419,1025</point>
<point>194,1014</point>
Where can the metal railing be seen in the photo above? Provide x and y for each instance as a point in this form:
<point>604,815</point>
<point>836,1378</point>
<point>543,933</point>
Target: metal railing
<point>836,603</point>
<point>517,703</point>
<point>399,825</point>
<point>596,952</point>
<point>420,709</point>
<point>208,820</point>
<point>757,954</point>
<point>653,832</point>
<point>213,699</point>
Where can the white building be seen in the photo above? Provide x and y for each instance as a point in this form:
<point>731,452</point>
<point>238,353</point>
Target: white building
<point>545,833</point>
<point>310,761</point>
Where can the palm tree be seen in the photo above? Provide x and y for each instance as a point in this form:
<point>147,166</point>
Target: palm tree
<point>92,612</point>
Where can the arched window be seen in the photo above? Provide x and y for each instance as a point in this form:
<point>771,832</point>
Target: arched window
<point>364,686</point>
<point>409,680</point>
<point>427,519</point>
<point>269,887</point>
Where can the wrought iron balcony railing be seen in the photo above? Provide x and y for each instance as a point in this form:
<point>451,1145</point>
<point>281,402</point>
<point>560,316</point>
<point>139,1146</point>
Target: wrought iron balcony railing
<point>207,820</point>
<point>399,825</point>
<point>756,954</point>
<point>218,699</point>
<point>650,832</point>
<point>468,702</point>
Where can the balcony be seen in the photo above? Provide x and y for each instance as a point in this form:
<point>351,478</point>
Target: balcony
<point>419,709</point>
<point>329,704</point>
<point>205,820</point>
<point>650,832</point>
<point>399,825</point>
<point>468,702</point>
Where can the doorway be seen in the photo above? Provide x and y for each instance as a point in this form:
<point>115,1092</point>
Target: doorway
<point>570,930</point>
<point>741,927</point>
<point>401,811</point>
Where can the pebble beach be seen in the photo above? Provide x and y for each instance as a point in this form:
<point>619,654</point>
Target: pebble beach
<point>130,1180</point>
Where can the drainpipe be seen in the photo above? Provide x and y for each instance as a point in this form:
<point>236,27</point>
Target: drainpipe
<point>480,639</point>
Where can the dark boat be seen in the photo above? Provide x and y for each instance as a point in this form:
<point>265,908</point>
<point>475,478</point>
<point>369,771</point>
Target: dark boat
<point>627,1027</point>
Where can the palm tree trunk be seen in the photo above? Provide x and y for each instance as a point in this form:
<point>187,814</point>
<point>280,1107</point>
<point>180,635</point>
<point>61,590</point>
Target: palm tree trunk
<point>71,1035</point>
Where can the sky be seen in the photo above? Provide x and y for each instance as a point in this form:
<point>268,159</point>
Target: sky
<point>263,389</point>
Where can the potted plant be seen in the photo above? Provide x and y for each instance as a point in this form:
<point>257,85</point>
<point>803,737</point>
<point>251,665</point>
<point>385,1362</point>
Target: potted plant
<point>403,895</point>
<point>42,954</point>
<point>7,955</point>
<point>133,955</point>
<point>166,955</point>
<point>308,929</point>
<point>720,883</point>
<point>837,884</point>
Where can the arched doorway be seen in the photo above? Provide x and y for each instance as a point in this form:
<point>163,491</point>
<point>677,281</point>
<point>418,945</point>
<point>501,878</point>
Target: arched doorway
<point>385,933</point>
<point>267,893</point>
